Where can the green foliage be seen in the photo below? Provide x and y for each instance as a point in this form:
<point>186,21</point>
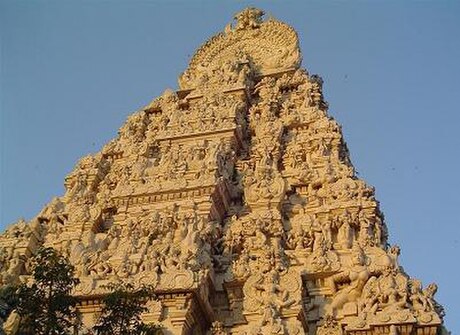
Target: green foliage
<point>122,309</point>
<point>8,300</point>
<point>46,307</point>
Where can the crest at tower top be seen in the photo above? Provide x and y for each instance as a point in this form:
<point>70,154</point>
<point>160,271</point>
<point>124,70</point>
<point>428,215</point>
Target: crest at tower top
<point>269,45</point>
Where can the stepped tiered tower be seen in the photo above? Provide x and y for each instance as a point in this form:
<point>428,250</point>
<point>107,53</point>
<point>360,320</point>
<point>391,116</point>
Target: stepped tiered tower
<point>236,198</point>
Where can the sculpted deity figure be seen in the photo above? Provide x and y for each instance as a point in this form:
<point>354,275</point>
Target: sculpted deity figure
<point>268,91</point>
<point>393,253</point>
<point>386,293</point>
<point>344,236</point>
<point>319,261</point>
<point>365,224</point>
<point>316,91</point>
<point>152,262</point>
<point>422,301</point>
<point>319,232</point>
<point>132,131</point>
<point>393,290</point>
<point>259,240</point>
<point>357,275</point>
<point>296,239</point>
<point>240,265</point>
<point>368,303</point>
<point>378,232</point>
<point>169,102</point>
<point>326,230</point>
<point>273,297</point>
<point>302,232</point>
<point>265,185</point>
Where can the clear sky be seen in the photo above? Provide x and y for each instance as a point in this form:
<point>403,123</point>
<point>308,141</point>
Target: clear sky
<point>71,72</point>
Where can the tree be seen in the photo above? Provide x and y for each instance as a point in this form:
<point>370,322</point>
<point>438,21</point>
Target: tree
<point>122,309</point>
<point>8,300</point>
<point>46,306</point>
<point>8,304</point>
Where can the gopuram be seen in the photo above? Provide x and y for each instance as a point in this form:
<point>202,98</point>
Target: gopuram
<point>236,198</point>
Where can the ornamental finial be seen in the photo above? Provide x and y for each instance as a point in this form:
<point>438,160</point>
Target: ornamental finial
<point>249,18</point>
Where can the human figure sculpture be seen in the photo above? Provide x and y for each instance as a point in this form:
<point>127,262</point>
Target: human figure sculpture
<point>345,231</point>
<point>273,297</point>
<point>357,275</point>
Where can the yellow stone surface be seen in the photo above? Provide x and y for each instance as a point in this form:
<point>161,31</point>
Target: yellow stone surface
<point>236,198</point>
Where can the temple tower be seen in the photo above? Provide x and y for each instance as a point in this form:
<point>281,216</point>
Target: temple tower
<point>236,198</point>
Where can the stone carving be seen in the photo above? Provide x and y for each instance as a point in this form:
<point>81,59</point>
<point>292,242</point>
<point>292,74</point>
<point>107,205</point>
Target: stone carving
<point>12,323</point>
<point>249,18</point>
<point>217,328</point>
<point>265,291</point>
<point>329,326</point>
<point>357,274</point>
<point>236,200</point>
<point>269,45</point>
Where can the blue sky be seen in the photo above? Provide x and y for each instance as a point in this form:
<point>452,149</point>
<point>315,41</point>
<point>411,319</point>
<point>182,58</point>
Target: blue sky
<point>71,72</point>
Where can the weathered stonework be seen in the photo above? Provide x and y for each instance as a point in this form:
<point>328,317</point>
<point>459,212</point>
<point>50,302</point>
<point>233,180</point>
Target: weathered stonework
<point>236,198</point>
